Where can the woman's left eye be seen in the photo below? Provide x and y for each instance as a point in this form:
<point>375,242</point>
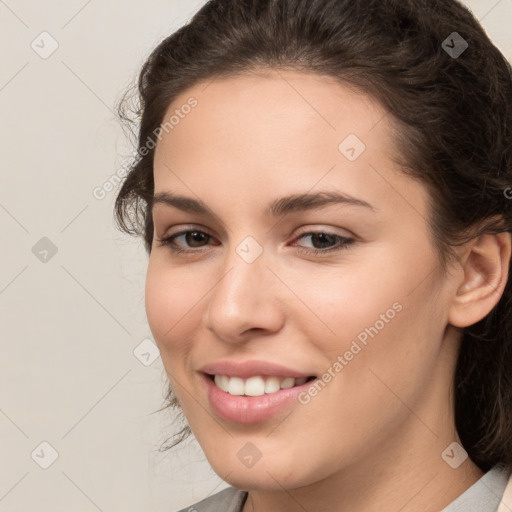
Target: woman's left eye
<point>322,238</point>
<point>328,242</point>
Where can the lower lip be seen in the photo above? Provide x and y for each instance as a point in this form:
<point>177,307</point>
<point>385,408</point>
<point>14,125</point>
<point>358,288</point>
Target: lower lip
<point>251,409</point>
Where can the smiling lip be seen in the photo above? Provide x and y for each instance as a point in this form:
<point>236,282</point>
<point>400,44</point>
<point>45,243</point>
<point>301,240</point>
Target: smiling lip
<point>246,369</point>
<point>250,409</point>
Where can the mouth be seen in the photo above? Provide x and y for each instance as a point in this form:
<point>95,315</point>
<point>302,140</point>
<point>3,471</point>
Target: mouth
<point>257,385</point>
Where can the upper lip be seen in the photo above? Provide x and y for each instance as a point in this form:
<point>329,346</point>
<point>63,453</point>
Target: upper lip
<point>247,368</point>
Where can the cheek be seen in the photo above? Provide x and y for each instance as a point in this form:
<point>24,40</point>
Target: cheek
<point>382,315</point>
<point>388,350</point>
<point>338,305</point>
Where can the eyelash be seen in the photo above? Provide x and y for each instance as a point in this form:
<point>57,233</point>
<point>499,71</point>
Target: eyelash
<point>343,242</point>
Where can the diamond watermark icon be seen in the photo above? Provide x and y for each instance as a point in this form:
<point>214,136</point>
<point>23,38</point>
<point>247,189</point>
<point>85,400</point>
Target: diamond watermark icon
<point>249,455</point>
<point>454,455</point>
<point>44,45</point>
<point>146,352</point>
<point>454,45</point>
<point>351,147</point>
<point>249,249</point>
<point>44,250</point>
<point>44,455</point>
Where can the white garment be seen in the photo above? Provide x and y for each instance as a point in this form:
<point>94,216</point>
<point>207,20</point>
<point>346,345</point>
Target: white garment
<point>485,495</point>
<point>491,493</point>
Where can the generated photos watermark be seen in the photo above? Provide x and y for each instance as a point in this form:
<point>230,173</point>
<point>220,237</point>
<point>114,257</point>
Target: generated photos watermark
<point>344,359</point>
<point>100,192</point>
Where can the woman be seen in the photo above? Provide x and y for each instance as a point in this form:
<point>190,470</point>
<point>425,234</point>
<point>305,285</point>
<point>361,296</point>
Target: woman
<point>322,188</point>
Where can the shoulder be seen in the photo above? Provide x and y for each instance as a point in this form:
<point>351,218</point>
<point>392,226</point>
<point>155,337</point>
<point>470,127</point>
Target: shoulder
<point>488,494</point>
<point>228,500</point>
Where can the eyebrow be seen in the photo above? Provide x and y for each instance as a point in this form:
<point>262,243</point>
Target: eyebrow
<point>277,208</point>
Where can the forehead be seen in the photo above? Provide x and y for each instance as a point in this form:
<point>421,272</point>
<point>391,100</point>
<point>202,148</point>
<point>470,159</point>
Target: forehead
<point>277,106</point>
<point>280,128</point>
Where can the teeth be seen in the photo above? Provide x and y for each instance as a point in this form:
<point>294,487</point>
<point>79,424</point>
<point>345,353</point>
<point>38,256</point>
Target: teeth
<point>287,383</point>
<point>272,384</point>
<point>255,386</point>
<point>236,386</point>
<point>222,382</point>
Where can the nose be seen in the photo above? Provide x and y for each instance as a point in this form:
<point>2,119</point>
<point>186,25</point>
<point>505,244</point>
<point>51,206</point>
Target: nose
<point>245,301</point>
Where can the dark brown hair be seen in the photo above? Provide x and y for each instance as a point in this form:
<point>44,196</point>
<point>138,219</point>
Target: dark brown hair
<point>454,119</point>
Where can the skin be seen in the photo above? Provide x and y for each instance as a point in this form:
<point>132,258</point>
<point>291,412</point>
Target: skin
<point>372,438</point>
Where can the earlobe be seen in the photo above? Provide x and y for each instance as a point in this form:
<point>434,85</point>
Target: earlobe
<point>485,266</point>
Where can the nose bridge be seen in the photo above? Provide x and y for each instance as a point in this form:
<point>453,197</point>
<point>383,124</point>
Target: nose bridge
<point>245,272</point>
<point>243,298</point>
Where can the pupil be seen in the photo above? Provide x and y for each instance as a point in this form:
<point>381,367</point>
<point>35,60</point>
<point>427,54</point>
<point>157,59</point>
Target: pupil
<point>195,236</point>
<point>324,236</point>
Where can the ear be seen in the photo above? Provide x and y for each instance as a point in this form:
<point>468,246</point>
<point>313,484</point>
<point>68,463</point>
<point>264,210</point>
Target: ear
<point>485,268</point>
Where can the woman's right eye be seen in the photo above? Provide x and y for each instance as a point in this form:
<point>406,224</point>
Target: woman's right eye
<point>190,237</point>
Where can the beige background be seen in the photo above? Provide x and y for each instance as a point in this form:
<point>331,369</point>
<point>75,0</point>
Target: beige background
<point>70,325</point>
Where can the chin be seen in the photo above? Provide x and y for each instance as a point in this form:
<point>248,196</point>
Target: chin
<point>260,481</point>
<point>270,475</point>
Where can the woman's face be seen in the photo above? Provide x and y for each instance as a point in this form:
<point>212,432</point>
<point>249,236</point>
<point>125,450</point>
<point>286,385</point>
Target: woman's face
<point>349,291</point>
